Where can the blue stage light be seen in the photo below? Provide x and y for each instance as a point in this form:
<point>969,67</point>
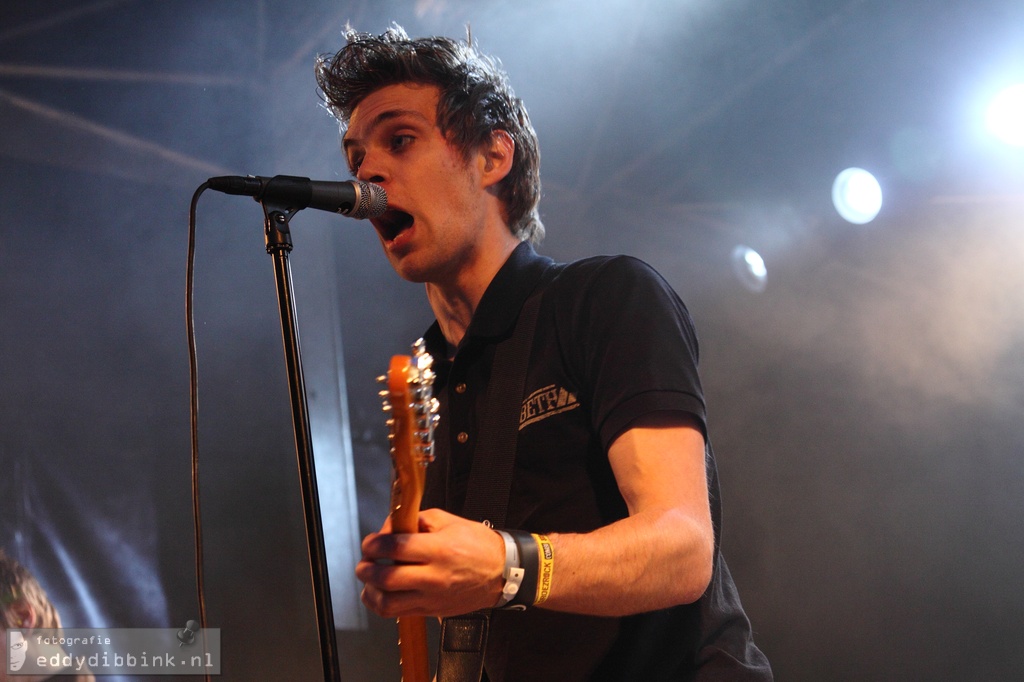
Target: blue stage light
<point>857,196</point>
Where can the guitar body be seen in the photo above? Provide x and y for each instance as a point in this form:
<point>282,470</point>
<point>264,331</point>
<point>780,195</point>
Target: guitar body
<point>413,416</point>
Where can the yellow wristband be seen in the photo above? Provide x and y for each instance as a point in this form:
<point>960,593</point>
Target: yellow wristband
<point>546,566</point>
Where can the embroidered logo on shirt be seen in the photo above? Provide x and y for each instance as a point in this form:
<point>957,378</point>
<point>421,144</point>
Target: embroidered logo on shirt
<point>546,402</point>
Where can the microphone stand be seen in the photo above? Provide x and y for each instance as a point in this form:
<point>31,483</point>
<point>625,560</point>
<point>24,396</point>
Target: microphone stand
<point>278,237</point>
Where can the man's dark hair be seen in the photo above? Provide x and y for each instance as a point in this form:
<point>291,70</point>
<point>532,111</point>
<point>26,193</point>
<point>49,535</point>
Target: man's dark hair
<point>475,100</point>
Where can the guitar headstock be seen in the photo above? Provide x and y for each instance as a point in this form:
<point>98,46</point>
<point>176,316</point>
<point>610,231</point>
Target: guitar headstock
<point>413,415</point>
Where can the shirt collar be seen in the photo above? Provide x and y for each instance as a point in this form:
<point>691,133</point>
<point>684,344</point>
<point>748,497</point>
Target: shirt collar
<point>496,314</point>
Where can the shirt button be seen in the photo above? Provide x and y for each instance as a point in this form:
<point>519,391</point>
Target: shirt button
<point>462,437</point>
<point>460,388</point>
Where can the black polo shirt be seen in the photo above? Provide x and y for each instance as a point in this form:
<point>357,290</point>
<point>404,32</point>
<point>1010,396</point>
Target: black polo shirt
<point>613,342</point>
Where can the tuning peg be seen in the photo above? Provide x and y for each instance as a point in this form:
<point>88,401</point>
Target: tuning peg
<point>382,379</point>
<point>422,359</point>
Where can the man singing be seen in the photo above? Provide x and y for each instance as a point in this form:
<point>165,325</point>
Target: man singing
<point>607,565</point>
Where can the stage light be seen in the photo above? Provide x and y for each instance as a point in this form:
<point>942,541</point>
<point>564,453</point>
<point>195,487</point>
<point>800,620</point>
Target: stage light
<point>857,196</point>
<point>749,268</point>
<point>1005,117</point>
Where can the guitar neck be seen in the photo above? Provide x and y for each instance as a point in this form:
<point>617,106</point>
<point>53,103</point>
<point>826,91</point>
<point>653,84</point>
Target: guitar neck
<point>413,414</point>
<point>412,649</point>
<point>412,630</point>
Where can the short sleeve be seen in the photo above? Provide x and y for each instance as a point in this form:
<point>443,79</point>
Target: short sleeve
<point>630,342</point>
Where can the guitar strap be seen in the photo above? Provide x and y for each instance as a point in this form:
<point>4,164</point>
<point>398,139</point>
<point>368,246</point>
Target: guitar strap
<point>464,638</point>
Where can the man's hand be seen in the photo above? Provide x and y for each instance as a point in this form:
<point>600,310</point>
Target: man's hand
<point>452,566</point>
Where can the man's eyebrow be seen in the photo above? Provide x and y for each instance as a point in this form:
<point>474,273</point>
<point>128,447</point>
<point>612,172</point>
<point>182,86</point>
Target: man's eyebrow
<point>381,118</point>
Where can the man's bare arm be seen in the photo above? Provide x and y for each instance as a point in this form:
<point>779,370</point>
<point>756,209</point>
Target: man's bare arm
<point>658,556</point>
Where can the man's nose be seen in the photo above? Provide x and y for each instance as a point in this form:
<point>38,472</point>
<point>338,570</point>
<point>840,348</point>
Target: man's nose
<point>370,171</point>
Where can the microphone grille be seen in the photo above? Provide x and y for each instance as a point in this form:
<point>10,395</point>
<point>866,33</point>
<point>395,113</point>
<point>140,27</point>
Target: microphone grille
<point>372,201</point>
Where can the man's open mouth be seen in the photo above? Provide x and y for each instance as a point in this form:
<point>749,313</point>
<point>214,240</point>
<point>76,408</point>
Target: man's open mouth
<point>392,223</point>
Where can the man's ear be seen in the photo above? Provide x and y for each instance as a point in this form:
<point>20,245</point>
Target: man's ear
<point>497,157</point>
<point>22,614</point>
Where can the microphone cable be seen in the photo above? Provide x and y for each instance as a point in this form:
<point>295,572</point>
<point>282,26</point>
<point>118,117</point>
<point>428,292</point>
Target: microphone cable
<point>193,377</point>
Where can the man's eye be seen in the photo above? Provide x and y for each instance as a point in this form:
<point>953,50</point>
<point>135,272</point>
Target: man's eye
<point>17,647</point>
<point>400,141</point>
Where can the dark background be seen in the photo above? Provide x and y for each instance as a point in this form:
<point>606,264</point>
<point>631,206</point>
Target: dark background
<point>865,408</point>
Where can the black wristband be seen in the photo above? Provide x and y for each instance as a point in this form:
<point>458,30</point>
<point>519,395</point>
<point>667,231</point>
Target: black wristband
<point>529,559</point>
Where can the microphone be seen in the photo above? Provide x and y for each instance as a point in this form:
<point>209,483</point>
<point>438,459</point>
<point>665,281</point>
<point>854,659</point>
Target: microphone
<point>353,198</point>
